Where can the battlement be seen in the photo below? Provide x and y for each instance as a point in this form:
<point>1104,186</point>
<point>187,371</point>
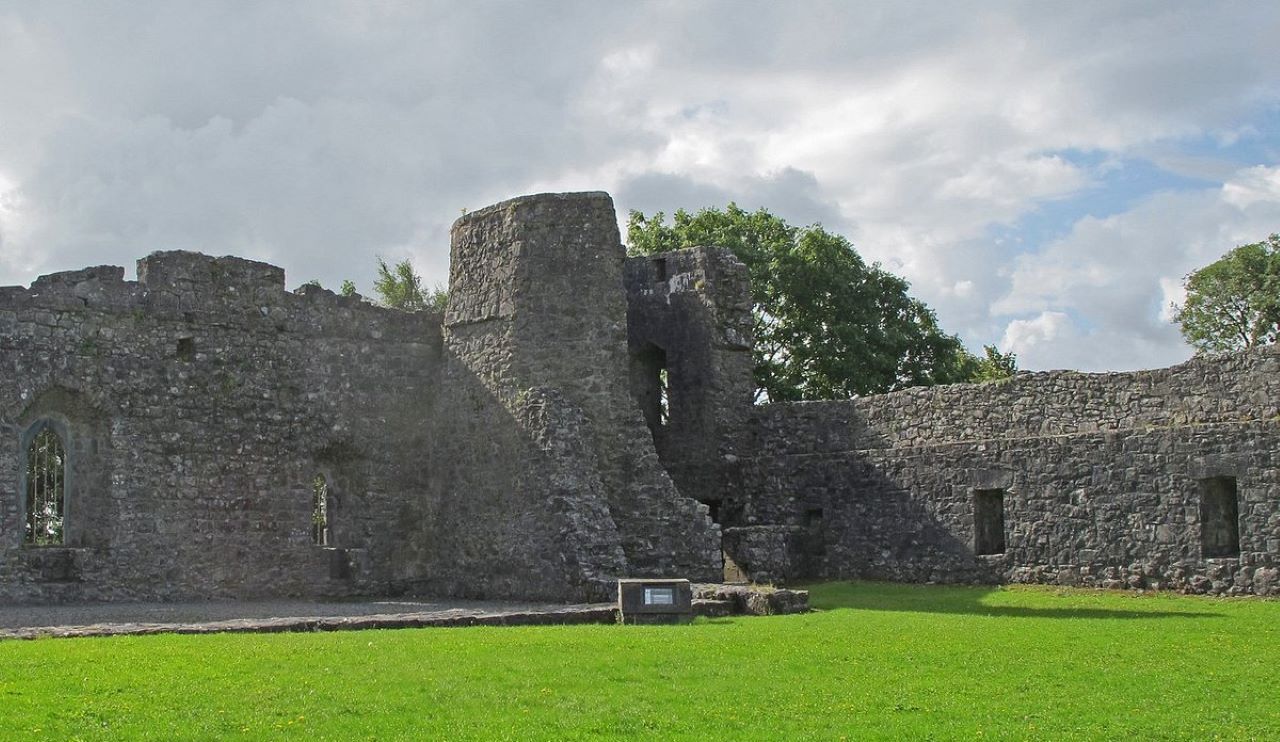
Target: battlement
<point>182,271</point>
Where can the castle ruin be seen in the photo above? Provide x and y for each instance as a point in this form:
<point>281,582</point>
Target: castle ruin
<point>574,417</point>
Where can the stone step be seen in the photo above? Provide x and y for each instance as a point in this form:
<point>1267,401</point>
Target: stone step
<point>712,608</point>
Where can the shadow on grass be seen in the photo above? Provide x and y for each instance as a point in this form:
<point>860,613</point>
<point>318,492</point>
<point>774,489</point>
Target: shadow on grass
<point>972,600</point>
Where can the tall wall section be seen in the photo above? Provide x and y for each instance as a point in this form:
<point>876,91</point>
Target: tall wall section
<point>1107,480</point>
<point>689,336</point>
<point>196,407</point>
<point>536,334</point>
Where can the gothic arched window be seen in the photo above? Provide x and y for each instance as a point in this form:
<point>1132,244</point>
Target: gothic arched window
<point>46,489</point>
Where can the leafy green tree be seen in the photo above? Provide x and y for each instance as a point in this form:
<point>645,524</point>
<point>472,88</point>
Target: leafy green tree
<point>994,365</point>
<point>348,287</point>
<point>399,286</point>
<point>827,325</point>
<point>1234,302</point>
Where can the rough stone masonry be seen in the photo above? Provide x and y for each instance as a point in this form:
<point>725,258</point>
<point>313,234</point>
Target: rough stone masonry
<point>575,417</point>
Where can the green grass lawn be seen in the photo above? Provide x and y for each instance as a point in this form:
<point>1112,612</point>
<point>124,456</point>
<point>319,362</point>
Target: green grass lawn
<point>878,661</point>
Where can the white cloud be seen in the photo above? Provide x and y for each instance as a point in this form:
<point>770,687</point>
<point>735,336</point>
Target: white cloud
<point>318,134</point>
<point>1118,275</point>
<point>1256,185</point>
<point>1025,336</point>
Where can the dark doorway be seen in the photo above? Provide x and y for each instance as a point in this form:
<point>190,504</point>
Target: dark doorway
<point>1219,517</point>
<point>988,521</point>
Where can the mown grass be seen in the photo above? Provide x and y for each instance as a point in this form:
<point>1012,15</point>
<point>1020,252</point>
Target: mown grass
<point>879,661</point>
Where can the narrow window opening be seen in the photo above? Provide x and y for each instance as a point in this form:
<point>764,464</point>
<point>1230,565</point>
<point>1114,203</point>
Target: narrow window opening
<point>815,534</point>
<point>651,386</point>
<point>186,349</point>
<point>320,535</point>
<point>664,394</point>
<point>714,507</point>
<point>1219,517</point>
<point>988,521</point>
<point>660,269</point>
<point>46,489</point>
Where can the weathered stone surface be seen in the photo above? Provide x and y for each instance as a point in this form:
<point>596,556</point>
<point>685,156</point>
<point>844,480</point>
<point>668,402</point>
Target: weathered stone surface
<point>189,474</point>
<point>523,446</point>
<point>756,600</point>
<point>537,302</point>
<point>692,308</point>
<point>712,608</point>
<point>1101,475</point>
<point>495,452</point>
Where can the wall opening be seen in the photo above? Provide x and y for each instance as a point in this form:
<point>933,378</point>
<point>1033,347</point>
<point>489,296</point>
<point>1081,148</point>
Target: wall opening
<point>815,538</point>
<point>1219,517</point>
<point>988,521</point>
<point>186,349</point>
<point>651,386</point>
<point>320,532</point>
<point>660,269</point>
<point>46,489</point>
<point>664,394</point>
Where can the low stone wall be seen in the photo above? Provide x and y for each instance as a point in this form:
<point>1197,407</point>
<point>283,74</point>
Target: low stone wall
<point>1221,389</point>
<point>1100,479</point>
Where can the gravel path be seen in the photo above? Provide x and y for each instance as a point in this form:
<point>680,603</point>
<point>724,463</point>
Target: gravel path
<point>106,619</point>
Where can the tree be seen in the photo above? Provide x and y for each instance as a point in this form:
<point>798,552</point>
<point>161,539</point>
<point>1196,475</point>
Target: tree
<point>399,286</point>
<point>1234,302</point>
<point>827,325</point>
<point>995,365</point>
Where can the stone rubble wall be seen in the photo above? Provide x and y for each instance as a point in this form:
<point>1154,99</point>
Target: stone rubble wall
<point>197,404</point>
<point>495,452</point>
<point>1101,474</point>
<point>1223,389</point>
<point>695,305</point>
<point>503,450</point>
<point>537,302</point>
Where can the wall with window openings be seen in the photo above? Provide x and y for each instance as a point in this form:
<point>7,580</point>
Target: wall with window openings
<point>202,432</point>
<point>163,437</point>
<point>1152,479</point>
<point>572,418</point>
<point>689,337</point>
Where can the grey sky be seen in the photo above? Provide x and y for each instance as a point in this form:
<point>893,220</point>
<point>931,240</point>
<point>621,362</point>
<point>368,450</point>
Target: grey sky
<point>1044,174</point>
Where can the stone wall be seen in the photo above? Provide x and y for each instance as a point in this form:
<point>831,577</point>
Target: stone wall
<point>497,453</point>
<point>537,304</point>
<point>524,444</point>
<point>1101,477</point>
<point>197,404</point>
<point>689,330</point>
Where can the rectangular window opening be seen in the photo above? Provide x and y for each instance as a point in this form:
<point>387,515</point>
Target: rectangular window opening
<point>651,385</point>
<point>660,269</point>
<point>988,521</point>
<point>713,508</point>
<point>1219,517</point>
<point>186,349</point>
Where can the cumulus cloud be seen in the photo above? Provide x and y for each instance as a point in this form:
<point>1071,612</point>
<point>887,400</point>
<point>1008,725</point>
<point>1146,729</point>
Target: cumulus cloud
<point>1119,275</point>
